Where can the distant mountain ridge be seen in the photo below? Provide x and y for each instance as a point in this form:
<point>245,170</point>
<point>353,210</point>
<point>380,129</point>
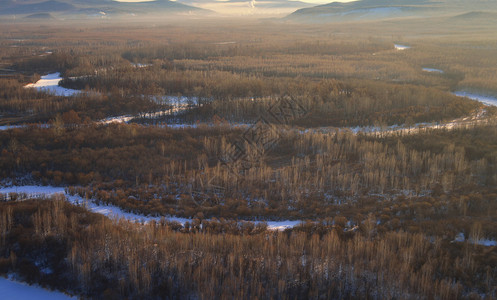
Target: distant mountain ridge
<point>27,7</point>
<point>384,9</point>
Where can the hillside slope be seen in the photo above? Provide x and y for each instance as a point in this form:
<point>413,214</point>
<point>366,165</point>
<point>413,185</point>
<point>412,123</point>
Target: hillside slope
<point>387,9</point>
<point>105,7</point>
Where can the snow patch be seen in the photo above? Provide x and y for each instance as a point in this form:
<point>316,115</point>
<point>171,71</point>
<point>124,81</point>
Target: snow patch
<point>138,65</point>
<point>50,84</point>
<point>459,237</point>
<point>178,103</point>
<point>485,242</point>
<point>431,70</point>
<point>281,225</point>
<point>21,291</point>
<point>482,242</point>
<point>115,212</point>
<point>118,119</point>
<point>487,100</point>
<point>401,47</point>
<point>7,127</point>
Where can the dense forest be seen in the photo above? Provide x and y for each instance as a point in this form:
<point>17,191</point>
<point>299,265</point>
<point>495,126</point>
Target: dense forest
<point>179,172</point>
<point>232,126</point>
<point>56,244</point>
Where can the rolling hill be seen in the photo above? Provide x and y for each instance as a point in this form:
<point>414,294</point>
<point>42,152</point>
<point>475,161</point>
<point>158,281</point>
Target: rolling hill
<point>387,9</point>
<point>92,7</point>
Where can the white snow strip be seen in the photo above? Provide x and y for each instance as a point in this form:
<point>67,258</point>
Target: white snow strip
<point>138,65</point>
<point>482,242</point>
<point>492,101</point>
<point>126,118</point>
<point>487,243</point>
<point>459,237</point>
<point>50,84</point>
<point>401,47</point>
<point>118,119</point>
<point>178,103</point>
<point>197,125</point>
<point>7,127</point>
<point>15,290</point>
<point>431,70</point>
<point>33,189</point>
<point>36,191</point>
<point>282,225</point>
<point>111,211</point>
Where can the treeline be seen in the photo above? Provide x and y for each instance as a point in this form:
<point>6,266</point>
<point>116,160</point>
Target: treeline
<point>78,51</point>
<point>61,246</point>
<point>206,51</point>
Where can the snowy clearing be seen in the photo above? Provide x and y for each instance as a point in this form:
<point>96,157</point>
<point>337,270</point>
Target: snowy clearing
<point>488,100</point>
<point>15,290</point>
<point>50,84</point>
<point>35,191</point>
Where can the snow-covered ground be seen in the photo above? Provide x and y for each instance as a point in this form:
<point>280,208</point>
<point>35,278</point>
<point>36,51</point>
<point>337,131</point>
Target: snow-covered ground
<point>111,211</point>
<point>401,47</point>
<point>118,119</point>
<point>485,242</point>
<point>14,290</point>
<point>138,65</point>
<point>36,191</point>
<point>282,225</point>
<point>482,242</point>
<point>431,70</point>
<point>465,122</point>
<point>176,101</point>
<point>488,100</point>
<point>456,123</point>
<point>7,127</point>
<point>179,104</point>
<point>126,118</point>
<point>50,83</point>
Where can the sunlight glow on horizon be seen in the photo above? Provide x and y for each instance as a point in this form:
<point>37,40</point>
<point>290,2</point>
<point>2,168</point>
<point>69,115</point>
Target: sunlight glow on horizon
<point>243,8</point>
<point>308,1</point>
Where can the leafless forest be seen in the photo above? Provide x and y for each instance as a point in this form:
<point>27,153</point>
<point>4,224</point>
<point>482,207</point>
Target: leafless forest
<point>235,124</point>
